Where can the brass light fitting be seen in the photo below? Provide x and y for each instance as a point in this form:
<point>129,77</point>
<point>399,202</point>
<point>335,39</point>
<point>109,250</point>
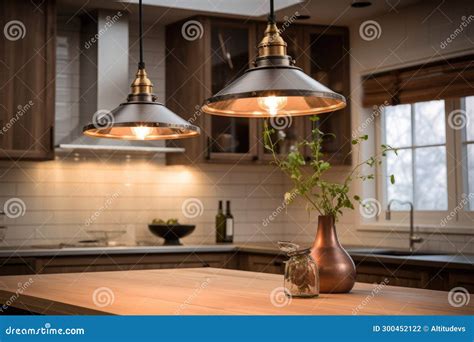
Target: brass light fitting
<point>272,43</point>
<point>141,84</point>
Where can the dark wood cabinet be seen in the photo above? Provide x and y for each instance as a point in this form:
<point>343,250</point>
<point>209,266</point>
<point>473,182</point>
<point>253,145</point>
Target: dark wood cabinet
<point>322,53</point>
<point>132,262</point>
<point>369,270</point>
<point>27,73</point>
<point>18,266</point>
<point>103,263</point>
<point>231,46</point>
<point>397,273</point>
<point>198,68</point>
<point>265,263</point>
<point>326,59</point>
<point>460,279</point>
<point>397,276</point>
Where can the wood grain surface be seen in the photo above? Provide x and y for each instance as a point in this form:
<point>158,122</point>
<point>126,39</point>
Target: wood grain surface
<point>208,291</point>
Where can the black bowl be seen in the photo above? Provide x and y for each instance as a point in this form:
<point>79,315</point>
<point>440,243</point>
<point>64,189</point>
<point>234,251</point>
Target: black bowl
<point>171,233</point>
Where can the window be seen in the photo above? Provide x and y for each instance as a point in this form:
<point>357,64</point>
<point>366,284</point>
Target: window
<point>434,168</point>
<point>418,131</point>
<point>429,118</point>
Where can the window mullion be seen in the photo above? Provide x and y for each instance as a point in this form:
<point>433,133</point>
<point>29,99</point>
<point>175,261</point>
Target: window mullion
<point>461,147</point>
<point>382,189</point>
<point>413,155</point>
<point>453,157</point>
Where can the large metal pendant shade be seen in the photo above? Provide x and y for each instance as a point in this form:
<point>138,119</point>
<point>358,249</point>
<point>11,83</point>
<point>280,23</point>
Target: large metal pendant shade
<point>141,117</point>
<point>279,89</point>
<point>273,86</point>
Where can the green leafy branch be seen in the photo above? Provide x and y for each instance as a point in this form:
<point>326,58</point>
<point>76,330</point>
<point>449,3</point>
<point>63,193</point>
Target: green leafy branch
<point>325,197</point>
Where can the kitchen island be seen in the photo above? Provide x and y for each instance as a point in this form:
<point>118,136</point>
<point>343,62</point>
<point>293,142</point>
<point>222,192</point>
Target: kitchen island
<point>207,291</point>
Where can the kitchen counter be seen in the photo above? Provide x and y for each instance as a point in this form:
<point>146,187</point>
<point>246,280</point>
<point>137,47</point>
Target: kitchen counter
<point>208,291</point>
<point>77,251</point>
<point>465,262</point>
<point>435,260</point>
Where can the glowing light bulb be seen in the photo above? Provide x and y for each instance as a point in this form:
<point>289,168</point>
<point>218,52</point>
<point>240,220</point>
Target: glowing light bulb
<point>141,132</point>
<point>272,104</point>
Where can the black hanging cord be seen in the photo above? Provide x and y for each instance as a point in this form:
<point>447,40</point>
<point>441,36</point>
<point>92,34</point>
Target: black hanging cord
<point>141,64</point>
<point>271,16</point>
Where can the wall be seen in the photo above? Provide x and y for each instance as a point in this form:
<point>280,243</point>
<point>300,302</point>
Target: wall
<point>408,36</point>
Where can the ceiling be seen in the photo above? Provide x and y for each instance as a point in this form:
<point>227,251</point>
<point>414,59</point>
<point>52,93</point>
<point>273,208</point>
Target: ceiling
<point>340,12</point>
<point>334,12</point>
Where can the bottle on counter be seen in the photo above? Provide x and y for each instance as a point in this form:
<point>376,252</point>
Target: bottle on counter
<point>220,224</point>
<point>229,224</point>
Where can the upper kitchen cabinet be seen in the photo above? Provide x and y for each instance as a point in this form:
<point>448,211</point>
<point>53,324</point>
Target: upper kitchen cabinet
<point>205,54</point>
<point>322,53</point>
<point>27,71</point>
<point>325,58</point>
<point>230,138</point>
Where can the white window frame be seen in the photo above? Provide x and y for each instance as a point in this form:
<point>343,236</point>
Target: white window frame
<point>465,216</point>
<point>463,219</point>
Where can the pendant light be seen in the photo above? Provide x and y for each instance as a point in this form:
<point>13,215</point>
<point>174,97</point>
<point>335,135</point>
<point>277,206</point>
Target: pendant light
<point>274,86</point>
<point>141,117</point>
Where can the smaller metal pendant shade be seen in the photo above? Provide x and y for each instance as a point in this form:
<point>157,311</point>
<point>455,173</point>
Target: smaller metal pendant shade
<point>274,86</point>
<point>141,117</point>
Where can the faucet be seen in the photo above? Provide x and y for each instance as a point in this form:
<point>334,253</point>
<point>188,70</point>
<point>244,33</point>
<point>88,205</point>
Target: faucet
<point>413,238</point>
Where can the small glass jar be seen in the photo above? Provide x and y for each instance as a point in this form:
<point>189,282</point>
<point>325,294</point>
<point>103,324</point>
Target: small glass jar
<point>301,274</point>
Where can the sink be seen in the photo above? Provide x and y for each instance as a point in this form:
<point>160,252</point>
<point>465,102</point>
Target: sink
<point>403,253</point>
<point>389,252</point>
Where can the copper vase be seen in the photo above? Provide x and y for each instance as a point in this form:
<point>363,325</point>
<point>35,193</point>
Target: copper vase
<point>336,269</point>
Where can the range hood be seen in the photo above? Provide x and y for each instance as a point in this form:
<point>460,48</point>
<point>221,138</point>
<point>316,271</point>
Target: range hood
<point>104,80</point>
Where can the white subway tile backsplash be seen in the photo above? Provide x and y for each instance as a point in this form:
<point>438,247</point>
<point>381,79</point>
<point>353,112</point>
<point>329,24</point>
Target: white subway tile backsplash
<point>64,198</point>
<point>24,234</point>
<point>7,189</point>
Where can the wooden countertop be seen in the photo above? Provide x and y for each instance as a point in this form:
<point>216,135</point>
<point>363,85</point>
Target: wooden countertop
<point>207,291</point>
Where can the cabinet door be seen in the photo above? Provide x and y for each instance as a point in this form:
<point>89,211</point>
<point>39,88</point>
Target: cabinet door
<point>103,263</point>
<point>231,46</point>
<point>17,266</point>
<point>463,279</point>
<point>265,263</point>
<point>187,86</point>
<point>327,61</point>
<point>27,70</point>
<point>287,130</point>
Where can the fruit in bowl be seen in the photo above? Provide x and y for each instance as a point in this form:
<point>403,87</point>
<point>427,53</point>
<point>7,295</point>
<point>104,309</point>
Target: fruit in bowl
<point>169,222</point>
<point>170,230</point>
